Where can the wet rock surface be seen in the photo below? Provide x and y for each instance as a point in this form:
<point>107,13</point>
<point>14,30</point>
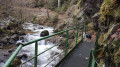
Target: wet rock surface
<point>44,33</point>
<point>10,30</point>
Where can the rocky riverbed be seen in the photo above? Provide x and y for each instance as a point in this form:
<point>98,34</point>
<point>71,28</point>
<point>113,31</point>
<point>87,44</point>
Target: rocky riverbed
<point>32,32</point>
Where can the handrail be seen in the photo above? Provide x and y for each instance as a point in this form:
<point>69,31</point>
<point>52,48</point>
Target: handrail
<point>92,61</point>
<point>51,35</point>
<point>40,53</point>
<point>9,61</point>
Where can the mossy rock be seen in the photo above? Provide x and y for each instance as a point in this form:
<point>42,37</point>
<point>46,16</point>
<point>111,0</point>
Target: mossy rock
<point>116,42</point>
<point>109,7</point>
<point>90,25</point>
<point>35,20</point>
<point>44,33</point>
<point>16,63</point>
<point>2,31</point>
<point>117,58</point>
<point>101,39</point>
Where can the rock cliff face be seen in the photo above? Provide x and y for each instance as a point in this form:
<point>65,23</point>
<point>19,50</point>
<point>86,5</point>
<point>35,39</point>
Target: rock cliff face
<point>103,15</point>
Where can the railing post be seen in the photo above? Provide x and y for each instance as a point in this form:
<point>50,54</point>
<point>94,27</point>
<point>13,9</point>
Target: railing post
<point>96,43</point>
<point>66,46</point>
<point>77,36</point>
<point>36,51</point>
<point>92,62</point>
<point>97,37</point>
<point>82,33</point>
<point>90,59</point>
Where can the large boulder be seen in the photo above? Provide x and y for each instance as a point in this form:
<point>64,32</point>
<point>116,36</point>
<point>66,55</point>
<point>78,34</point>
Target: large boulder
<point>44,33</point>
<point>17,61</point>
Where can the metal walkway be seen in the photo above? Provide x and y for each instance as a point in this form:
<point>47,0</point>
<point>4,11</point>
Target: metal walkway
<point>77,57</point>
<point>80,56</point>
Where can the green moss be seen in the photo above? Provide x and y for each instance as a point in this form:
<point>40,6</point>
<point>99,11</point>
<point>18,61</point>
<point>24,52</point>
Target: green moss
<point>75,20</point>
<point>2,31</point>
<point>101,39</point>
<point>116,43</point>
<point>64,6</point>
<point>73,2</point>
<point>105,35</point>
<point>90,25</point>
<point>76,12</point>
<point>40,4</point>
<point>117,11</point>
<point>12,24</point>
<point>117,58</point>
<point>109,7</point>
<point>16,63</point>
<point>101,63</point>
<point>58,10</point>
<point>35,20</point>
<point>79,3</point>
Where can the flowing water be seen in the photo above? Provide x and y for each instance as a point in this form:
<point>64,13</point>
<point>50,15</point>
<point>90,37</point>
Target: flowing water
<point>43,45</point>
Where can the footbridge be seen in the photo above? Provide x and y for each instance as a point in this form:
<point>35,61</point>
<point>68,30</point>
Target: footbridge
<point>82,54</point>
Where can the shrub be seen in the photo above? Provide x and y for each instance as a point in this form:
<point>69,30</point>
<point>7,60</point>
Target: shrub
<point>55,18</point>
<point>39,4</point>
<point>53,4</point>
<point>35,20</point>
<point>2,31</point>
<point>64,6</point>
<point>58,10</point>
<point>73,2</point>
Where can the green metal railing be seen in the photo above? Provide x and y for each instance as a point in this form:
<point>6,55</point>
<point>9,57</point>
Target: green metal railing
<point>92,60</point>
<point>10,60</point>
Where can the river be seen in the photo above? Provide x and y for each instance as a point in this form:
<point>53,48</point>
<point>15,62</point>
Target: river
<point>43,59</point>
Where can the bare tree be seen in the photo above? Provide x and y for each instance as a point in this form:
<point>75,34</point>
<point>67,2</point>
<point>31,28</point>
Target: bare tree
<point>47,10</point>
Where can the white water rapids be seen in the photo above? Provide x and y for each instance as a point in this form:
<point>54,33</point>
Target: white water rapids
<point>43,45</point>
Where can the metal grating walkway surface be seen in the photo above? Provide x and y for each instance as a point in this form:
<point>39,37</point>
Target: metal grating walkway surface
<point>80,56</point>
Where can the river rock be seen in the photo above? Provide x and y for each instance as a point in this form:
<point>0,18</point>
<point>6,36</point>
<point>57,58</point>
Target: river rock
<point>22,56</point>
<point>20,33</point>
<point>44,33</point>
<point>10,51</point>
<point>1,47</point>
<point>16,62</point>
<point>6,54</point>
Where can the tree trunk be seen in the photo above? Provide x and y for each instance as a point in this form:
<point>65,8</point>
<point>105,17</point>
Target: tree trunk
<point>59,1</point>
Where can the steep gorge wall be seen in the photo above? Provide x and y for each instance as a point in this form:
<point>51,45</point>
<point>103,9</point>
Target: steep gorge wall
<point>105,16</point>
